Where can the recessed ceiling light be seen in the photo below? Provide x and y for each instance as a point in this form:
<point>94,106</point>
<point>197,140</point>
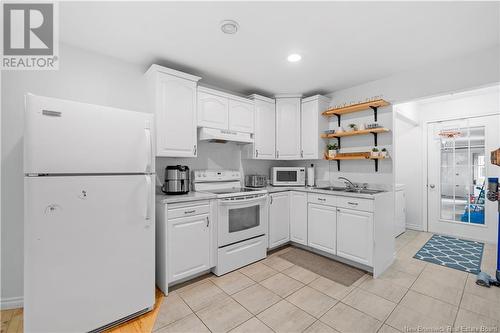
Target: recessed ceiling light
<point>294,57</point>
<point>229,27</point>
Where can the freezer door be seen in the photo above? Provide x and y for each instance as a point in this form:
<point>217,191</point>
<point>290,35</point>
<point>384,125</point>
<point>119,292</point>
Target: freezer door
<point>89,251</point>
<point>64,137</point>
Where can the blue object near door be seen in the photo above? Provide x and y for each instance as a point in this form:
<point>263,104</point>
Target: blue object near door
<point>460,254</point>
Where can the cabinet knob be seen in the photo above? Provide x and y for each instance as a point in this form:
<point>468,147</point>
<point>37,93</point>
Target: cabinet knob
<point>256,153</point>
<point>194,150</point>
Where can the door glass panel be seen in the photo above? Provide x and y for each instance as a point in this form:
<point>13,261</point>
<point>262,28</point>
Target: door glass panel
<point>462,174</point>
<point>244,218</point>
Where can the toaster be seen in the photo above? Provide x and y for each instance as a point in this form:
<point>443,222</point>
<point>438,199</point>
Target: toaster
<point>255,181</point>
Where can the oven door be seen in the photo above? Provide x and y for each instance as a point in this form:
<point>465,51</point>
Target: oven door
<point>241,218</point>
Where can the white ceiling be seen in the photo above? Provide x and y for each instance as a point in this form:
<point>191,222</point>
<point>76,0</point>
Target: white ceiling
<point>342,43</point>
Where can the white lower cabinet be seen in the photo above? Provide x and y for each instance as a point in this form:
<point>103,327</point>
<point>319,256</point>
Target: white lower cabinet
<point>321,227</point>
<point>188,246</point>
<point>355,235</point>
<point>185,241</point>
<point>279,219</point>
<point>298,217</point>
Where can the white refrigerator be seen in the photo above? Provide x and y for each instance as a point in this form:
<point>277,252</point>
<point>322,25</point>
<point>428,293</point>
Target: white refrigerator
<point>89,215</point>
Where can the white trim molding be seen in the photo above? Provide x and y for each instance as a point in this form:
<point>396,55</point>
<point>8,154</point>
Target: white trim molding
<point>416,227</point>
<point>7,303</point>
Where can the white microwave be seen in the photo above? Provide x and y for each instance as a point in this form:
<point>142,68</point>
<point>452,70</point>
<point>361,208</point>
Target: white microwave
<point>288,176</point>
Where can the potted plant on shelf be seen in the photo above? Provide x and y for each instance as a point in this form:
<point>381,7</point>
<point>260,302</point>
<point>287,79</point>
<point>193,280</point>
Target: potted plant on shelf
<point>332,149</point>
<point>384,153</point>
<point>352,127</point>
<point>375,152</point>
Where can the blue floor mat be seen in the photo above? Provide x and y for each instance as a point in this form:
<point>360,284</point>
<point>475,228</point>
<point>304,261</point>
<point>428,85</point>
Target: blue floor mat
<point>451,252</point>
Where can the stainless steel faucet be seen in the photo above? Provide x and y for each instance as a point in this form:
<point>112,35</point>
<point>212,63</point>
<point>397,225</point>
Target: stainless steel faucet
<point>348,183</point>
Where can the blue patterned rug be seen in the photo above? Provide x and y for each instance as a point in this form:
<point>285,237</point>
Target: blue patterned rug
<point>451,252</point>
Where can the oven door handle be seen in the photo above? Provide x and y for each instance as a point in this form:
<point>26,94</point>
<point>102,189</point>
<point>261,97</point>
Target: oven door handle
<point>243,201</point>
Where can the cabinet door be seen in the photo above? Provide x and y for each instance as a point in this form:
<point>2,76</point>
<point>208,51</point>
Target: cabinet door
<point>400,213</point>
<point>213,110</point>
<point>188,246</point>
<point>322,227</point>
<point>241,116</point>
<point>288,128</point>
<point>279,219</point>
<point>298,217</point>
<point>355,235</point>
<point>175,117</point>
<point>309,130</point>
<point>265,130</point>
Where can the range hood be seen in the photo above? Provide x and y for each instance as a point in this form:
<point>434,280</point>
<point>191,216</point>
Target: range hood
<point>223,136</point>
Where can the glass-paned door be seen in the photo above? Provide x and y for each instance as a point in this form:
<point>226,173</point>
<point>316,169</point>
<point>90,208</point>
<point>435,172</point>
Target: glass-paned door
<point>462,173</point>
<point>458,167</point>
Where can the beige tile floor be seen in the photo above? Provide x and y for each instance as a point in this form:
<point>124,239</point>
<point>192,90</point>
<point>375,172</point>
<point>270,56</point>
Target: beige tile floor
<point>274,295</point>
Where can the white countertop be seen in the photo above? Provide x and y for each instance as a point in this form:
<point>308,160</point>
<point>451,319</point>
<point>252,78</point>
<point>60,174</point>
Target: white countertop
<point>194,196</point>
<point>275,189</point>
<point>191,196</point>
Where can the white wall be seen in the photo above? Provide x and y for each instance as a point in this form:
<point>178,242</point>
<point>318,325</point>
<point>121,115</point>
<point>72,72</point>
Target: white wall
<point>407,163</point>
<point>411,139</point>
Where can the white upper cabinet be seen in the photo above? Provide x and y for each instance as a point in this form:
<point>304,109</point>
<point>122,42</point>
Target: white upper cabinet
<point>313,123</point>
<point>217,109</point>
<point>213,110</point>
<point>264,129</point>
<point>173,98</point>
<point>241,116</point>
<point>288,127</point>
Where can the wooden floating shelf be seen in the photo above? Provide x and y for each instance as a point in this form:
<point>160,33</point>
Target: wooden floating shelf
<point>359,132</point>
<point>356,107</point>
<point>355,156</point>
<point>347,158</point>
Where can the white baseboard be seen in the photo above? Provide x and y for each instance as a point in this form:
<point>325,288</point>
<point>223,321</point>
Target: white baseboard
<point>416,227</point>
<point>11,303</point>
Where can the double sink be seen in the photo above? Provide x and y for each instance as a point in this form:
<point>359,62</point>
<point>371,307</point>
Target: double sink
<point>350,189</point>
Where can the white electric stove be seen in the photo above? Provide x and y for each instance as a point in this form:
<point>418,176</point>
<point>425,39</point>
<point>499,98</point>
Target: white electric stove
<point>242,218</point>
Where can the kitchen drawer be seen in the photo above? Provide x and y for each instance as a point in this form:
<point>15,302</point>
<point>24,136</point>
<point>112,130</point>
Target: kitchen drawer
<point>355,203</point>
<point>232,257</point>
<point>322,199</point>
<point>183,210</point>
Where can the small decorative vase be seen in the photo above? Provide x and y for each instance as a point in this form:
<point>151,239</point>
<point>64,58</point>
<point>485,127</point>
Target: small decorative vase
<point>375,154</point>
<point>384,154</point>
<point>332,153</point>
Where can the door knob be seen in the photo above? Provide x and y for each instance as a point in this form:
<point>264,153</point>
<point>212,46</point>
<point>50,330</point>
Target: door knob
<point>432,185</point>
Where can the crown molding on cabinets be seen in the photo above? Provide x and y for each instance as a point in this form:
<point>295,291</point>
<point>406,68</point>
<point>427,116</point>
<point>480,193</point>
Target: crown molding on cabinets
<point>261,98</point>
<point>157,68</point>
<point>288,96</point>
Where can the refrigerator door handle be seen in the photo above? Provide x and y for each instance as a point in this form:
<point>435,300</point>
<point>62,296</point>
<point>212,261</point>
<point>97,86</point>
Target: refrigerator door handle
<point>149,144</point>
<point>148,198</point>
